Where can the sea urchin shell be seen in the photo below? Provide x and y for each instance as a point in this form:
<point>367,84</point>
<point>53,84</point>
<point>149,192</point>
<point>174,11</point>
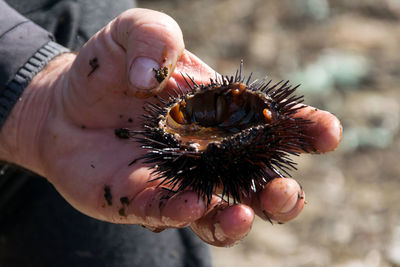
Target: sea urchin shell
<point>230,136</point>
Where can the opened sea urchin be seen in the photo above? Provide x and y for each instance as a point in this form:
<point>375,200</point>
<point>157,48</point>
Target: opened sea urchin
<point>230,136</point>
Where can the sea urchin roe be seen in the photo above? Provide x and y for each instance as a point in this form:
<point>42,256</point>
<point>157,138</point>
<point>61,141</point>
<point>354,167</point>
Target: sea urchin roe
<point>212,114</point>
<point>267,114</point>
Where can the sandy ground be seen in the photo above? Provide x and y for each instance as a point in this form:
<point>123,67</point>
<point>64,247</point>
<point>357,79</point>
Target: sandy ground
<point>346,56</point>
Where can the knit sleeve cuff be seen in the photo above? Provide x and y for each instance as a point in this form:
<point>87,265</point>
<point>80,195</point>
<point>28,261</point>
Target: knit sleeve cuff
<point>13,90</point>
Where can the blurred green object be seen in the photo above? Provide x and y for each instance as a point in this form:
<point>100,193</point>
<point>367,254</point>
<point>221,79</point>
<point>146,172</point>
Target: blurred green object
<point>362,137</point>
<point>315,9</point>
<point>332,69</point>
<point>318,9</point>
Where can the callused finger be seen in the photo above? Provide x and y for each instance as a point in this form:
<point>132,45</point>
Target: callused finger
<point>159,208</point>
<point>224,225</point>
<point>281,200</point>
<point>325,129</point>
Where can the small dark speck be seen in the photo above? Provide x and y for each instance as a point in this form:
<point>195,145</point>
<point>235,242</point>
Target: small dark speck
<point>315,109</point>
<point>124,200</point>
<point>94,64</point>
<point>122,212</point>
<point>83,126</point>
<point>91,165</point>
<point>122,133</point>
<point>121,116</point>
<point>186,200</point>
<point>107,195</point>
<point>130,120</point>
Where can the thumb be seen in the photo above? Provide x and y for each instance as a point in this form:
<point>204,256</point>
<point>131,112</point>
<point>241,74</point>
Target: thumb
<point>153,43</point>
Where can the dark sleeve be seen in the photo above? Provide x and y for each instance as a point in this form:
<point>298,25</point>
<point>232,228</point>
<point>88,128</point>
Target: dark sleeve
<point>25,48</point>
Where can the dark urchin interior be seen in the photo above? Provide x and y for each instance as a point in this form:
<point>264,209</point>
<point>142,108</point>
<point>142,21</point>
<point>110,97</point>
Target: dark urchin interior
<point>237,164</point>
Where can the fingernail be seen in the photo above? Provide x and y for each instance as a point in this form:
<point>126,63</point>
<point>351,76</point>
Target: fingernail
<point>280,195</point>
<point>290,203</point>
<point>142,75</point>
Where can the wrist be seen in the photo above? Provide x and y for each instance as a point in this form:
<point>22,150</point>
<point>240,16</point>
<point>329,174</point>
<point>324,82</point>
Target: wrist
<point>21,137</point>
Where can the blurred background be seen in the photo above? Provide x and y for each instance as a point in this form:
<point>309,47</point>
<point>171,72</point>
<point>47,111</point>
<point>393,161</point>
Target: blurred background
<point>345,54</point>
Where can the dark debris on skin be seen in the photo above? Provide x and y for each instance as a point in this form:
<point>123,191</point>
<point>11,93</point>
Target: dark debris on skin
<point>160,74</point>
<point>122,133</point>
<point>107,195</point>
<point>125,202</point>
<point>94,64</point>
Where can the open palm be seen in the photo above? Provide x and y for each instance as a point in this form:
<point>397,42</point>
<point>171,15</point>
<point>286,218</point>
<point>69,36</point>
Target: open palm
<point>83,98</point>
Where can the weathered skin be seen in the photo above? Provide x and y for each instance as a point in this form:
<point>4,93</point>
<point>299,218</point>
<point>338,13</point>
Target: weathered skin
<point>63,129</point>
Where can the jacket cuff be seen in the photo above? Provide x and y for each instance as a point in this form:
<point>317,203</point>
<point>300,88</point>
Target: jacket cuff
<point>13,90</point>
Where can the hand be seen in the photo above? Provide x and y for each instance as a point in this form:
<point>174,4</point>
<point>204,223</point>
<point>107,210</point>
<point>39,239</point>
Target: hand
<point>63,129</point>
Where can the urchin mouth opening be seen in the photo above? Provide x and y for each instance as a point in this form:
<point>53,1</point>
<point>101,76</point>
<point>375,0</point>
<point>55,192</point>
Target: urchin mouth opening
<point>211,115</point>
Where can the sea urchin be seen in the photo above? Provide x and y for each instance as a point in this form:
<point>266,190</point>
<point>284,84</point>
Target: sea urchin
<point>231,136</point>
